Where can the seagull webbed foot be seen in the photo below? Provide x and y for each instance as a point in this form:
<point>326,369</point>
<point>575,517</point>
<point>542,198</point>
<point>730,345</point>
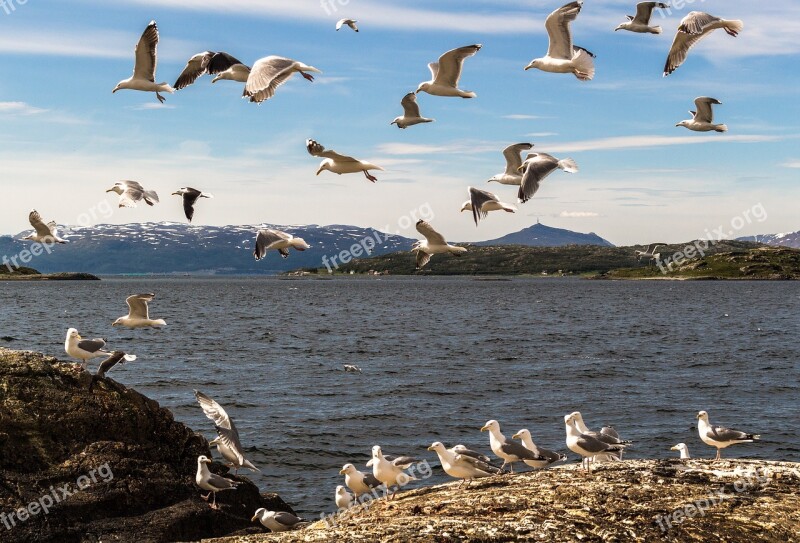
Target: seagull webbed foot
<point>370,177</point>
<point>307,76</point>
<point>160,98</point>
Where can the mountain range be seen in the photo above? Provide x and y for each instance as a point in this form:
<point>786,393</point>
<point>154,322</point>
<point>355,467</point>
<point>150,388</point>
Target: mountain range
<point>790,239</point>
<point>163,248</point>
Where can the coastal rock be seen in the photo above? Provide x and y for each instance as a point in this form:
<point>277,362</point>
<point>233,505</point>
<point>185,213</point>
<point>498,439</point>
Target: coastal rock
<point>694,501</point>
<point>107,465</point>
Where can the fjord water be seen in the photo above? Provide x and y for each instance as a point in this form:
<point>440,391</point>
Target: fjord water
<point>440,357</point>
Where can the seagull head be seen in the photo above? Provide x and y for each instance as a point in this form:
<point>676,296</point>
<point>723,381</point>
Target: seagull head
<point>491,425</point>
<point>376,451</point>
<point>259,513</point>
<point>521,434</point>
<point>119,188</point>
<point>324,165</point>
<point>180,192</point>
<point>702,415</point>
<point>467,206</point>
<point>569,418</point>
<point>622,26</point>
<point>683,123</point>
<point>202,460</point>
<point>73,334</point>
<point>678,447</point>
<point>423,87</point>
<point>535,63</point>
<point>117,322</point>
<point>347,468</point>
<point>340,489</point>
<point>436,446</point>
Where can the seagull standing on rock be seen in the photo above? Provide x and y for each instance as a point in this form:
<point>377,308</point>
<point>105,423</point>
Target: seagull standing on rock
<point>211,481</point>
<point>586,445</point>
<point>462,466</point>
<point>683,449</point>
<point>277,521</point>
<point>389,470</point>
<point>509,451</point>
<point>358,481</point>
<point>343,499</point>
<point>546,456</point>
<point>87,349</point>
<point>144,69</point>
<point>719,436</point>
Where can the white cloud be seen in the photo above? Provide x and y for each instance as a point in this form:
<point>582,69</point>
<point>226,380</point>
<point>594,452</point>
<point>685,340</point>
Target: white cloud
<point>577,214</point>
<point>522,117</point>
<point>791,164</point>
<point>646,141</point>
<point>19,108</point>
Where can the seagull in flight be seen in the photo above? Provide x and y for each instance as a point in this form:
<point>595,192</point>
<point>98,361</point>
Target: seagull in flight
<point>132,192</point>
<point>641,21</point>
<point>349,22</point>
<point>411,114</point>
<point>269,239</point>
<point>144,70</point>
<point>271,72</point>
<point>512,154</point>
<point>482,202</point>
<point>138,313</point>
<point>228,443</point>
<point>563,57</point>
<point>446,73</point>
<point>433,244</point>
<point>339,164</point>
<point>693,28</point>
<point>536,168</point>
<point>43,233</point>
<point>703,119</point>
<point>190,196</point>
<point>221,64</point>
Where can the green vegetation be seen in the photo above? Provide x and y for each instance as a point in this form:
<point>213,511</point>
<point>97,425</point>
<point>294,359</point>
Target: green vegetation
<point>29,274</point>
<point>591,260</point>
<point>17,272</point>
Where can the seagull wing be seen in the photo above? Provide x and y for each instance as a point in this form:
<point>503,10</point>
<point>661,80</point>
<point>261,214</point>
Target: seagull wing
<point>692,29</point>
<point>219,482</point>
<point>463,451</point>
<point>536,170</point>
<point>514,158</point>
<point>644,11</point>
<point>557,25</point>
<point>720,433</point>
<point>449,66</point>
<point>197,66</point>
<point>110,362</point>
<point>422,259</point>
<point>137,305</point>
<point>189,198</point>
<point>91,345</point>
<point>145,67</point>
<point>479,197</point>
<point>221,62</point>
<point>518,450</point>
<point>410,105</point>
<point>316,149</point>
<point>267,75</point>
<point>38,224</point>
<point>705,112</point>
<point>287,519</point>
<point>433,237</point>
<point>213,410</point>
<point>230,437</point>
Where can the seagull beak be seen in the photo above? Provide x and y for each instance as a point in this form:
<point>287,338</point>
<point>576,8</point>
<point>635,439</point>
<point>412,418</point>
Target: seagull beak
<point>176,193</point>
<point>78,336</point>
<point>431,448</point>
<point>110,190</point>
<point>342,472</point>
<point>674,448</point>
<point>520,168</point>
<point>319,171</point>
<point>678,124</point>
<point>515,436</point>
<point>115,323</point>
<point>255,517</point>
<point>484,428</point>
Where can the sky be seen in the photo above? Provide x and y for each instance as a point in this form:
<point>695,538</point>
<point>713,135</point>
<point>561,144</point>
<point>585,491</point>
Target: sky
<point>65,138</point>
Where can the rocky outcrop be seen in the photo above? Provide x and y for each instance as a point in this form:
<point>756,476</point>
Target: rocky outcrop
<point>106,465</point>
<point>632,501</point>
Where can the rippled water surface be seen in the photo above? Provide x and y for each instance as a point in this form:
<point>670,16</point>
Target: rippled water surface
<point>440,356</point>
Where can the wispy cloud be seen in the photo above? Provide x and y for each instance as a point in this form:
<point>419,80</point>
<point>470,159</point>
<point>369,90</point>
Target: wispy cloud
<point>19,108</point>
<point>151,105</point>
<point>649,141</point>
<point>577,214</point>
<point>791,164</point>
<point>522,117</point>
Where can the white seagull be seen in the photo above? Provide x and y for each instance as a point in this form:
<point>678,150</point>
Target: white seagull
<point>211,481</point>
<point>389,470</point>
<point>509,451</point>
<point>411,114</point>
<point>683,449</point>
<point>339,164</point>
<point>43,233</point>
<point>446,73</point>
<point>512,175</point>
<point>482,202</point>
<point>277,521</point>
<point>703,119</point>
<point>719,436</point>
<point>546,456</point>
<point>227,443</point>
<point>132,192</point>
<point>358,481</point>
<point>271,72</point>
<point>433,244</point>
<point>190,196</point>
<point>536,168</point>
<point>641,22</point>
<point>138,313</point>
<point>87,349</point>
<point>693,28</point>
<point>650,253</point>
<point>563,57</point>
<point>144,70</point>
<point>343,499</point>
<point>607,435</point>
<point>462,466</point>
<point>586,445</point>
<point>221,64</point>
<point>269,239</point>
<point>349,22</point>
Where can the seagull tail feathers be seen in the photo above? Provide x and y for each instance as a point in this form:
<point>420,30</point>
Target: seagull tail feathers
<point>656,30</point>
<point>250,466</point>
<point>130,357</point>
<point>722,128</point>
<point>568,165</point>
<point>733,27</point>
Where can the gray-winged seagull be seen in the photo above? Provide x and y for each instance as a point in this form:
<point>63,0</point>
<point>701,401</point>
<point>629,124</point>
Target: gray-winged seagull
<point>719,436</point>
<point>641,21</point>
<point>269,239</point>
<point>509,451</point>
<point>462,466</point>
<point>358,481</point>
<point>586,445</point>
<point>339,164</point>
<point>222,65</point>
<point>546,456</point>
<point>190,196</point>
<point>482,202</point>
<point>389,469</point>
<point>132,192</point>
<point>563,57</point>
<point>512,175</point>
<point>693,28</point>
<point>144,69</point>
<point>411,114</point>
<point>139,313</point>
<point>271,72</point>
<point>43,233</point>
<point>348,22</point>
<point>703,119</point>
<point>87,349</point>
<point>228,443</point>
<point>211,481</point>
<point>433,244</point>
<point>446,73</point>
<point>277,521</point>
<point>536,168</point>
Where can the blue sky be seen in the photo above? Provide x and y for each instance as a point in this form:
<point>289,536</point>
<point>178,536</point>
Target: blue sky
<point>65,139</point>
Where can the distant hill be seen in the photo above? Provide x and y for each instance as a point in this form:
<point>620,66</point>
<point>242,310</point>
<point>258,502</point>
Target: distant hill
<point>164,248</point>
<point>791,239</point>
<point>540,235</point>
